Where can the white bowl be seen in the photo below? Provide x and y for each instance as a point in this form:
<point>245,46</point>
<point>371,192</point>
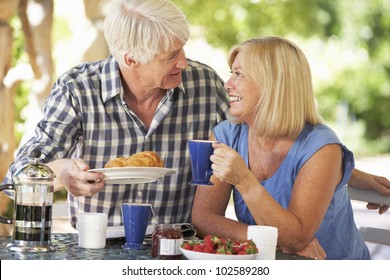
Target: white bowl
<point>194,255</point>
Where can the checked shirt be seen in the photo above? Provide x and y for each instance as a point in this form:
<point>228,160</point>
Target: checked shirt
<point>86,117</point>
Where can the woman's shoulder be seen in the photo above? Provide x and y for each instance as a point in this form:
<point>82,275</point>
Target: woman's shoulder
<point>230,126</point>
<point>228,131</point>
<point>315,137</point>
<point>321,133</point>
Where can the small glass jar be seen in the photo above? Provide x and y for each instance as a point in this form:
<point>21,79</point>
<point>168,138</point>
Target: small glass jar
<point>166,241</point>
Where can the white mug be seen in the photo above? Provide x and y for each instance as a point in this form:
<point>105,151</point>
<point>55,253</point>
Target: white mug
<point>265,238</point>
<point>92,229</point>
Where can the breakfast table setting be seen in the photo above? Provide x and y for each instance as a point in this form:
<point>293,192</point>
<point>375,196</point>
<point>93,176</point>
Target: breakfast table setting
<point>140,237</point>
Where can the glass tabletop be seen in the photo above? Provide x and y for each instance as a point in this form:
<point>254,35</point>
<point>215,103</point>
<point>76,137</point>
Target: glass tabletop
<point>67,248</point>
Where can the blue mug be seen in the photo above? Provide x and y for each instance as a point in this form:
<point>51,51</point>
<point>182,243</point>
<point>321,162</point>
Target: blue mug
<point>200,152</point>
<point>135,217</point>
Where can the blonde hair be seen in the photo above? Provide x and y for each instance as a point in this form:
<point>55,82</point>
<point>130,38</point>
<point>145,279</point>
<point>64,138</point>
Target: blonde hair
<point>282,72</point>
<point>143,28</point>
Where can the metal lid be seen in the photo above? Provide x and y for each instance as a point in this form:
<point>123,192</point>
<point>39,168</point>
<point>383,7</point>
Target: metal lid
<point>34,171</point>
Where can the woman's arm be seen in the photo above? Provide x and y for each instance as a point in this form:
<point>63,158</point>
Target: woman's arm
<point>312,192</point>
<point>208,212</point>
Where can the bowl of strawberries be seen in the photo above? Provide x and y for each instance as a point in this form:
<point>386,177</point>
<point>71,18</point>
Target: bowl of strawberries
<point>217,248</point>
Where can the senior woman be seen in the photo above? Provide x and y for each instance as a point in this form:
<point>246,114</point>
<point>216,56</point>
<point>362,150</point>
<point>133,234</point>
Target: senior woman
<point>284,166</point>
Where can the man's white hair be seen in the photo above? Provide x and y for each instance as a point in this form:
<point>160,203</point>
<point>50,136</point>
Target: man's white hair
<point>143,28</point>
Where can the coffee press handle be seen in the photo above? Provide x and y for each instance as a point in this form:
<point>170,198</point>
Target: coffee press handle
<point>2,188</point>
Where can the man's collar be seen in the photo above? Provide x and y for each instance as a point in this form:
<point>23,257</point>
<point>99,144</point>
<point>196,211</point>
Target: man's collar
<point>112,83</point>
<point>111,79</point>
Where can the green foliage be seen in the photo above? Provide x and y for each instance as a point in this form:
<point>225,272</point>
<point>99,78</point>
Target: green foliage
<point>61,29</point>
<point>61,195</point>
<point>366,24</point>
<point>18,51</point>
<point>227,22</point>
<point>361,28</point>
<point>19,55</point>
<point>20,101</point>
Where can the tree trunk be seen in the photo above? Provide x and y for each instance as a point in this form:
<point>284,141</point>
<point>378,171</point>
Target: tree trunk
<point>7,112</point>
<point>98,48</point>
<point>38,41</point>
<point>39,49</point>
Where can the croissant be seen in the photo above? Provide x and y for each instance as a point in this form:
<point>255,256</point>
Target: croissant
<point>146,158</point>
<point>116,162</point>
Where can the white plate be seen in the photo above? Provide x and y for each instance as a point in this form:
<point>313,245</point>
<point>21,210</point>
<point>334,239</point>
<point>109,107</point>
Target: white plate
<point>193,255</point>
<point>133,175</point>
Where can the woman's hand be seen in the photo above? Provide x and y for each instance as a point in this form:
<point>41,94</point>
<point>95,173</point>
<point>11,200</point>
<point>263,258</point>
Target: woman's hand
<point>312,250</point>
<point>72,174</point>
<point>228,166</point>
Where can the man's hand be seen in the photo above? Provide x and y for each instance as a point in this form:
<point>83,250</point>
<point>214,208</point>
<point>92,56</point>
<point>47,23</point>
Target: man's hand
<point>380,184</point>
<point>72,174</point>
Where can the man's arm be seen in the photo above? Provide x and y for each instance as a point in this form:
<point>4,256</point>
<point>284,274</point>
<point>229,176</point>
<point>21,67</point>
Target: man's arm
<point>367,181</point>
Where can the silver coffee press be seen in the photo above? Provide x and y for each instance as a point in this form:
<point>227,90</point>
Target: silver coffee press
<point>33,201</point>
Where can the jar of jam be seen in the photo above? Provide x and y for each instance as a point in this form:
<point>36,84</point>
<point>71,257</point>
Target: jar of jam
<point>166,241</point>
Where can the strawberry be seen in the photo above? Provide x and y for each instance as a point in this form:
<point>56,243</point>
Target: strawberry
<point>187,246</point>
<point>208,241</point>
<point>223,241</point>
<point>249,247</point>
<point>251,242</point>
<point>216,239</point>
<point>236,247</point>
<point>219,245</point>
<point>221,250</point>
<point>235,250</point>
<point>208,249</point>
<point>199,247</point>
<point>241,252</point>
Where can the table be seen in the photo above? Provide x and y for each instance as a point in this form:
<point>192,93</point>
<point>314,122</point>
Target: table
<point>67,249</point>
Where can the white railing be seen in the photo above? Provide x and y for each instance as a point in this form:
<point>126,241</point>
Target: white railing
<point>371,234</point>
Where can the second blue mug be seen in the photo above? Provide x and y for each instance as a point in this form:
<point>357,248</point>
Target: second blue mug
<point>135,218</point>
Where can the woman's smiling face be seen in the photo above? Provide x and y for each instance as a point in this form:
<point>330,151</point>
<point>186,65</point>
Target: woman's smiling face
<point>244,93</point>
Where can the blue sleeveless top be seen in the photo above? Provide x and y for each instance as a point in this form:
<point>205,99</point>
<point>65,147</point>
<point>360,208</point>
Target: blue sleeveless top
<point>338,234</point>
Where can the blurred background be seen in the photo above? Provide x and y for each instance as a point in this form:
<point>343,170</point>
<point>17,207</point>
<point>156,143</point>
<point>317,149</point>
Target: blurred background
<point>347,44</point>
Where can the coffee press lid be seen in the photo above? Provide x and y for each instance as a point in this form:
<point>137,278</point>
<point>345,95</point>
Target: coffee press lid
<point>34,171</point>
